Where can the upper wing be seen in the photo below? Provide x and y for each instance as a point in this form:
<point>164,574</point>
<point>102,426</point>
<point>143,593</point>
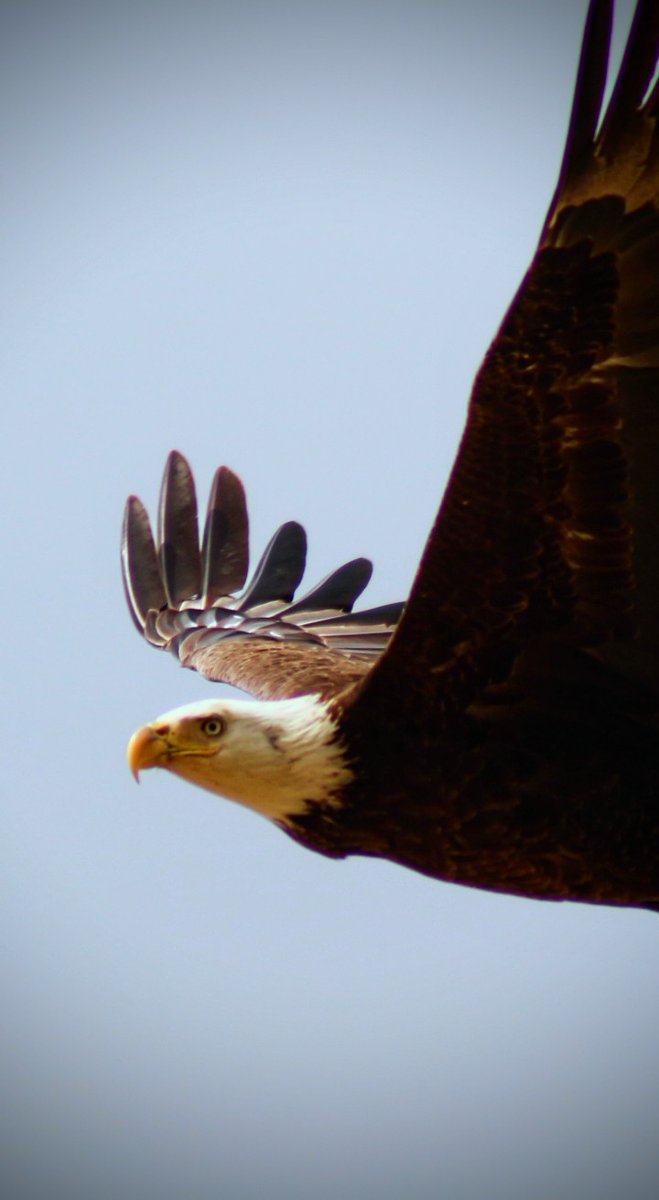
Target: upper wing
<point>182,596</point>
<point>550,521</point>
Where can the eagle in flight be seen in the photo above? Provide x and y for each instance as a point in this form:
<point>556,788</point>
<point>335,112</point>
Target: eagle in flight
<point>501,728</point>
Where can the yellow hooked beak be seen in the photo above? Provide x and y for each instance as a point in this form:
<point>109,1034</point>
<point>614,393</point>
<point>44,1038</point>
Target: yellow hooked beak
<point>146,749</point>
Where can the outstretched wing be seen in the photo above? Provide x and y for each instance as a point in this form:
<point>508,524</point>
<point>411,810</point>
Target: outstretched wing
<point>549,528</point>
<point>189,598</point>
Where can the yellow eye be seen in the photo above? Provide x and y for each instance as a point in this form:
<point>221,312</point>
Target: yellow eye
<point>212,726</point>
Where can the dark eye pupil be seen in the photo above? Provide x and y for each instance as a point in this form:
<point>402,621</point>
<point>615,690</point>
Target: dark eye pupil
<point>213,726</point>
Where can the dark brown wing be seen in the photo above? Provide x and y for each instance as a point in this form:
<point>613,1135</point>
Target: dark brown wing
<point>550,523</point>
<point>187,598</point>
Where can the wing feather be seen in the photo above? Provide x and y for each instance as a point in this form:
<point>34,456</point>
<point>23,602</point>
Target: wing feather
<point>588,95</point>
<point>280,568</point>
<point>188,600</point>
<point>225,544</point>
<point>139,564</point>
<point>337,591</point>
<point>548,525</point>
<point>180,558</point>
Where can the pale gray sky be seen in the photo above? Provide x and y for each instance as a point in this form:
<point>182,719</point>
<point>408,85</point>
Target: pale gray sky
<point>277,235</point>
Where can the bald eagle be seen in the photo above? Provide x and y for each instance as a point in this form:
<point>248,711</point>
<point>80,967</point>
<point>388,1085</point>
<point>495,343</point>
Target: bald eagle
<point>501,728</point>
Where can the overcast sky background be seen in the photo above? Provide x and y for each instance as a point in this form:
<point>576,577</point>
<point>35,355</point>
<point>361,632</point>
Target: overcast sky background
<point>277,235</point>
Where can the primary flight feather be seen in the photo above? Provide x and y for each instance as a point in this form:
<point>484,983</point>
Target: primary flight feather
<point>501,729</point>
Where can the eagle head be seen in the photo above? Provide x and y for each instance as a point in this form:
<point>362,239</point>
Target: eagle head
<point>276,757</point>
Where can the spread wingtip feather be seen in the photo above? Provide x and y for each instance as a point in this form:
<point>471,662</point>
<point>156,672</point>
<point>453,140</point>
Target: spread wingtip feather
<point>280,567</point>
<point>178,534</point>
<point>175,589</point>
<point>225,544</point>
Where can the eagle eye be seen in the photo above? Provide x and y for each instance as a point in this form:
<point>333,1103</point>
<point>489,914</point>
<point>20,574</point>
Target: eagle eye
<point>212,726</point>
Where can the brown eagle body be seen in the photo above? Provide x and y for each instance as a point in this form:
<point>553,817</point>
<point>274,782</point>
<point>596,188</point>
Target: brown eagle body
<point>502,730</point>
